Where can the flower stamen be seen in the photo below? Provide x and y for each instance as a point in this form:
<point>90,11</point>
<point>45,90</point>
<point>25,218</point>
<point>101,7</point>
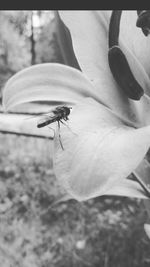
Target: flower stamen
<point>118,63</point>
<point>143,21</point>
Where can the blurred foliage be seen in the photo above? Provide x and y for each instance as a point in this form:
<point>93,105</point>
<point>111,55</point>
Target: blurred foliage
<point>14,53</point>
<point>24,33</point>
<point>35,231</point>
<point>47,45</point>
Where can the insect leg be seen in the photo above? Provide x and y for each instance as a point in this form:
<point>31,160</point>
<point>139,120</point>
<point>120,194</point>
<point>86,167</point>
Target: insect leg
<point>64,123</point>
<point>60,136</point>
<point>52,130</point>
<point>67,127</point>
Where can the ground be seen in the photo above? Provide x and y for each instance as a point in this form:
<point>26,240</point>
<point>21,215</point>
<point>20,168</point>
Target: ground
<point>35,231</point>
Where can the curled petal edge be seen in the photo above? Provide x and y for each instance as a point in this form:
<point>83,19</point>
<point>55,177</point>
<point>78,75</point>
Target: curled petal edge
<point>47,82</point>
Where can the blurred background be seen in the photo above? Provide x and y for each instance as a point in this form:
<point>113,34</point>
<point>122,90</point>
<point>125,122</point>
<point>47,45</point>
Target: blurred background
<point>35,230</point>
<point>27,38</point>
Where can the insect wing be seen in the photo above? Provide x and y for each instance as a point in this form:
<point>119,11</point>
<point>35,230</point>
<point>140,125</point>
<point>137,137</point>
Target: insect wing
<point>38,115</point>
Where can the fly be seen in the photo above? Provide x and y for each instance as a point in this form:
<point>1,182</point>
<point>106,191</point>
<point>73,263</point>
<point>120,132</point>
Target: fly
<point>59,114</point>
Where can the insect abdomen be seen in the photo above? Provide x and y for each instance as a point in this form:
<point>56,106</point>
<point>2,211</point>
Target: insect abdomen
<point>45,123</point>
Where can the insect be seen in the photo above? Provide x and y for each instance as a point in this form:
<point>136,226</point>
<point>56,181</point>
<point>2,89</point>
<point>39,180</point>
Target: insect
<point>59,114</point>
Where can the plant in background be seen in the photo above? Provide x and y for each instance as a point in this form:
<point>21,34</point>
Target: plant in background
<point>109,125</point>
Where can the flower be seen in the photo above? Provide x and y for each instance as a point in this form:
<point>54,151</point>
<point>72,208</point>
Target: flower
<point>109,133</point>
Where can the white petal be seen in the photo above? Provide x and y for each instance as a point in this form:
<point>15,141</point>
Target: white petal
<point>142,110</point>
<point>147,229</point>
<point>137,69</point>
<point>133,188</point>
<point>89,30</point>
<point>23,124</point>
<point>127,188</point>
<point>47,82</point>
<point>134,38</point>
<point>99,151</point>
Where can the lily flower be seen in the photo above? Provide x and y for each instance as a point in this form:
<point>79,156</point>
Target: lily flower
<point>108,132</point>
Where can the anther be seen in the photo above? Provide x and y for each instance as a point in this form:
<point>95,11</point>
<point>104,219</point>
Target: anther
<point>143,21</point>
<point>118,63</point>
<point>123,75</point>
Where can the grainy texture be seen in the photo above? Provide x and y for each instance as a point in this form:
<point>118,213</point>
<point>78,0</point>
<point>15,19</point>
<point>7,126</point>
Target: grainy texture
<point>106,231</point>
